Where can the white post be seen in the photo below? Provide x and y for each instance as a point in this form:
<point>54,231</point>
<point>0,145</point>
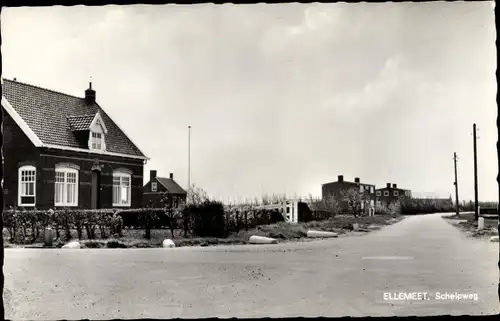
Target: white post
<point>480,224</point>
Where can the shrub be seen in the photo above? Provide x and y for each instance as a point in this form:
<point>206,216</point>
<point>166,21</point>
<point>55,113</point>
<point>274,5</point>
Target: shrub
<point>207,218</point>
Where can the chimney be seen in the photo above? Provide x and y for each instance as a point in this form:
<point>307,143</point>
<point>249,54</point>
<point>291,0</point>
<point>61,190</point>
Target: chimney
<point>388,185</point>
<point>172,176</point>
<point>152,175</point>
<point>394,185</point>
<point>341,178</point>
<point>90,95</point>
<point>356,180</point>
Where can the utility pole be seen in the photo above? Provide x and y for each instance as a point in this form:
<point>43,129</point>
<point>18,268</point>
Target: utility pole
<point>498,183</point>
<point>476,209</point>
<point>189,159</point>
<point>456,182</point>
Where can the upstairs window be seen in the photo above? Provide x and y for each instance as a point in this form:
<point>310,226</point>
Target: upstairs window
<point>386,193</point>
<point>379,193</point>
<point>97,134</point>
<point>27,186</point>
<point>97,141</point>
<point>66,187</point>
<point>122,183</point>
<point>154,186</point>
<point>361,188</point>
<point>372,189</point>
<point>396,193</point>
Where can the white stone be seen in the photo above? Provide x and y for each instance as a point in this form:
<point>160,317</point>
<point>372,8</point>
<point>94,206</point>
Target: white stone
<point>168,243</point>
<point>494,239</point>
<point>313,233</point>
<point>72,245</point>
<point>480,224</point>
<point>355,226</point>
<point>254,239</point>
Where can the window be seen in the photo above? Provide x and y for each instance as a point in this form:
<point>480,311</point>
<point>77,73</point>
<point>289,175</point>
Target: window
<point>66,187</point>
<point>386,193</point>
<point>379,193</point>
<point>154,186</point>
<point>97,141</point>
<point>121,189</point>
<point>361,188</point>
<point>396,193</point>
<point>27,186</point>
<point>372,189</point>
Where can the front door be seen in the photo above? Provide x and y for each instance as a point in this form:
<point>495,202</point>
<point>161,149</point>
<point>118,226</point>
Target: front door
<point>96,187</point>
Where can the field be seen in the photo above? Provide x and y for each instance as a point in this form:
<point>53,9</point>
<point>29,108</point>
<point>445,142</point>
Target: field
<point>134,238</point>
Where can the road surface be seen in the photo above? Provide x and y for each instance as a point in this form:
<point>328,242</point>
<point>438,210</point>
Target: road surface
<point>337,277</point>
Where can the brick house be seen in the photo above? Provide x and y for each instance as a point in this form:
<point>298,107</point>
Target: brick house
<point>390,194</point>
<point>336,189</point>
<point>162,187</point>
<point>65,151</point>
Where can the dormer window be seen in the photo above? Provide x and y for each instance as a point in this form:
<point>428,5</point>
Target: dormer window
<point>96,141</point>
<point>98,131</point>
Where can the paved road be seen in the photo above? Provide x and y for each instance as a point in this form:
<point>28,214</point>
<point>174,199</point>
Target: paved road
<point>339,277</point>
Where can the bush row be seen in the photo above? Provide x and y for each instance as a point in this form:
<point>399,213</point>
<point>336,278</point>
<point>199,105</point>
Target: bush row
<point>206,219</point>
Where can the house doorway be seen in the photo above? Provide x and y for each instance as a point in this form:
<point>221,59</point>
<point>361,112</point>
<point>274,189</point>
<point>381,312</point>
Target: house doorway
<point>96,187</point>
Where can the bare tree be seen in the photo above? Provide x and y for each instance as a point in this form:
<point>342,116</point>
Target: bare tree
<point>355,199</point>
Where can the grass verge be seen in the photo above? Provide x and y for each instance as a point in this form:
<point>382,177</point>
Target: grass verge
<point>341,224</point>
<point>467,223</point>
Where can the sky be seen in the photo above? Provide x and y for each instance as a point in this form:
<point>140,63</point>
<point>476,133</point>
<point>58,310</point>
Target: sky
<point>281,97</point>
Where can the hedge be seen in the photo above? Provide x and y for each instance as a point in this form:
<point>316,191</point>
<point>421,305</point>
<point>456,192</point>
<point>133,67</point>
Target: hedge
<point>207,219</point>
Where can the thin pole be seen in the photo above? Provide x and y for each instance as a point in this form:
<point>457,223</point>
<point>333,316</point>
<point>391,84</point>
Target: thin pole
<point>456,182</point>
<point>476,204</point>
<point>498,183</point>
<point>189,158</point>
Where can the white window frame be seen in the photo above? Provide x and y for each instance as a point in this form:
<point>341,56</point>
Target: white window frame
<point>121,175</point>
<point>386,193</point>
<point>361,188</point>
<point>379,193</point>
<point>396,193</point>
<point>154,186</point>
<point>96,141</point>
<point>372,189</point>
<point>20,191</point>
<point>66,171</point>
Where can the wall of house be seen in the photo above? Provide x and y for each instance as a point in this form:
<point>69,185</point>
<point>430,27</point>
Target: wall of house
<point>336,189</point>
<point>382,198</point>
<point>49,158</point>
<point>17,151</point>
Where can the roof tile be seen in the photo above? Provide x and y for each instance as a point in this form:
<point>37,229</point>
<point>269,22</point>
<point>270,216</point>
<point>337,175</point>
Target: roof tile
<point>52,116</point>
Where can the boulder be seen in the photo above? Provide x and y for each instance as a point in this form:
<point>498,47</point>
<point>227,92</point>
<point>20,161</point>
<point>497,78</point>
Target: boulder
<point>255,239</point>
<point>355,226</point>
<point>168,243</point>
<point>313,233</point>
<point>494,239</point>
<point>72,245</point>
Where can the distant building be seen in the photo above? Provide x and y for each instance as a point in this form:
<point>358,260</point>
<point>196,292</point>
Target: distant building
<point>336,189</point>
<point>162,188</point>
<point>390,194</point>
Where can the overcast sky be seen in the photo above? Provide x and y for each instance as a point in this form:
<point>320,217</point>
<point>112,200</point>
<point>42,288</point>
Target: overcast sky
<point>281,98</point>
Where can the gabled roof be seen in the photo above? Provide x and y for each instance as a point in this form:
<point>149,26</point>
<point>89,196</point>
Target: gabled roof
<point>49,118</point>
<point>171,186</point>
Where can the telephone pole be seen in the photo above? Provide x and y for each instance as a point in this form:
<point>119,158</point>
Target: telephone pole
<point>498,183</point>
<point>476,204</point>
<point>456,182</point>
<point>189,159</point>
